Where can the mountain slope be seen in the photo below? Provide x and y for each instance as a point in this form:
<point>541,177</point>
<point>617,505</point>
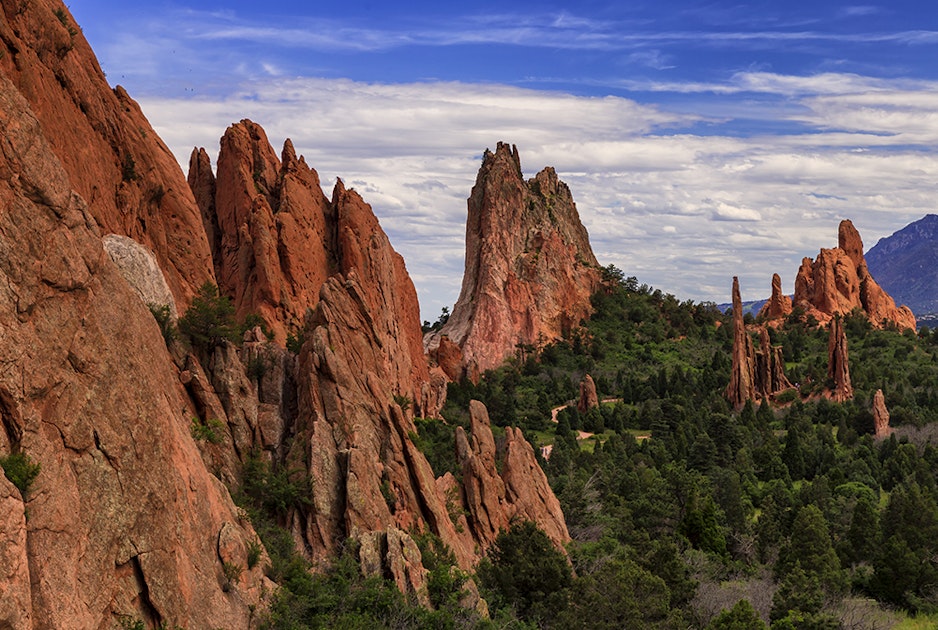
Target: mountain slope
<point>906,265</point>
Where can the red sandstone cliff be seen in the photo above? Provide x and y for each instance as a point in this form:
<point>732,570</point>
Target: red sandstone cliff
<point>837,282</point>
<point>325,270</point>
<point>278,238</point>
<point>778,306</point>
<point>113,158</point>
<point>124,517</point>
<point>529,271</point>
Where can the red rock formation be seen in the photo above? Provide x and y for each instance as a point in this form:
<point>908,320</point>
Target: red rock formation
<point>588,398</point>
<point>779,305</point>
<point>113,158</point>
<point>530,270</point>
<point>353,437</point>
<point>838,282</point>
<point>492,500</point>
<point>279,238</point>
<point>755,374</point>
<point>741,387</point>
<point>769,367</point>
<point>882,430</point>
<point>124,517</point>
<point>838,370</point>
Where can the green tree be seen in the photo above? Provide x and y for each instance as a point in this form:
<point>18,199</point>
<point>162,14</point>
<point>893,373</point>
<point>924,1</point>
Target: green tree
<point>811,550</point>
<point>524,571</point>
<point>741,617</point>
<point>209,320</point>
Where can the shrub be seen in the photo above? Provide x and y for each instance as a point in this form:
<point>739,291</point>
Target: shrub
<point>20,470</point>
<point>161,314</point>
<point>232,572</point>
<point>209,321</point>
<point>212,431</point>
<point>254,553</point>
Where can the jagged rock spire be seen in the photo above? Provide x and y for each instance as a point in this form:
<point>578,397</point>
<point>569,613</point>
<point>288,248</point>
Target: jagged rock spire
<point>755,373</point>
<point>838,369</point>
<point>741,386</point>
<point>529,270</point>
<point>880,416</point>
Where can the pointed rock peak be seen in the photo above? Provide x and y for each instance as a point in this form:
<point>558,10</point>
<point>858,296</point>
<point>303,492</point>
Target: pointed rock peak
<point>338,191</point>
<point>529,270</point>
<point>504,154</point>
<point>848,239</point>
<point>737,300</point>
<point>779,305</point>
<point>838,281</point>
<point>838,369</point>
<point>288,156</point>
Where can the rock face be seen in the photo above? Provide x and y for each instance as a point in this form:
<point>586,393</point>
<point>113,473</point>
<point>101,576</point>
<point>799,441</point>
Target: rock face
<point>754,374</point>
<point>124,517</point>
<point>324,270</point>
<point>838,281</point>
<point>779,305</point>
<point>838,370</point>
<point>279,238</point>
<point>492,500</point>
<point>588,398</point>
<point>114,160</point>
<point>880,416</point>
<point>530,270</point>
<point>352,435</point>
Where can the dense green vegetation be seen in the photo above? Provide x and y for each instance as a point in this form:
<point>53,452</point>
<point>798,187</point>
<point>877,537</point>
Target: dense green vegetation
<point>684,512</point>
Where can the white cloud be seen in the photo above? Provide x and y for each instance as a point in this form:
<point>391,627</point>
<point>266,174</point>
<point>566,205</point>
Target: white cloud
<point>681,211</point>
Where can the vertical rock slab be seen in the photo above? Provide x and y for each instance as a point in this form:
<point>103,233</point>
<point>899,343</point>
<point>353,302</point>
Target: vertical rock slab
<point>779,305</point>
<point>838,370</point>
<point>741,386</point>
<point>588,397</point>
<point>880,416</point>
<point>123,517</point>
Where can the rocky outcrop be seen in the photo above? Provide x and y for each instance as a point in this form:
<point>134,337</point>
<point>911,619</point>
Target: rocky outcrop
<point>838,282</point>
<point>492,501</point>
<point>838,370</point>
<point>754,374</point>
<point>279,238</point>
<point>778,306</point>
<point>114,160</point>
<point>353,438</point>
<point>741,387</point>
<point>588,397</point>
<point>769,367</point>
<point>141,270</point>
<point>124,517</point>
<point>529,270</point>
<point>881,428</point>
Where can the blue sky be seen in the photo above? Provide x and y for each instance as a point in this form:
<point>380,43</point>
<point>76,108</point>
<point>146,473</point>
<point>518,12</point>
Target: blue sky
<point>701,140</point>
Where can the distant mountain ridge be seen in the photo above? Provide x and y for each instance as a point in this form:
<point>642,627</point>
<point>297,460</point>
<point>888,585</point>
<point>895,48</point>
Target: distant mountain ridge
<point>906,265</point>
